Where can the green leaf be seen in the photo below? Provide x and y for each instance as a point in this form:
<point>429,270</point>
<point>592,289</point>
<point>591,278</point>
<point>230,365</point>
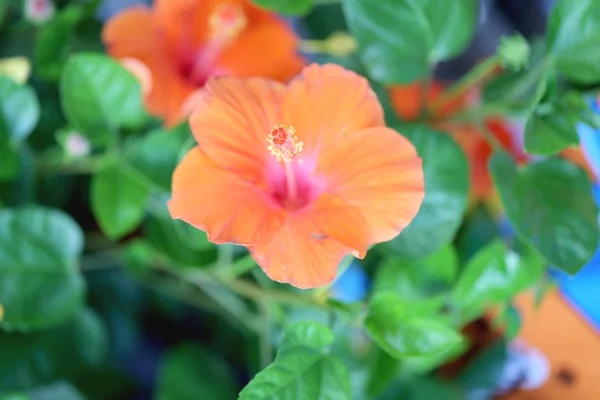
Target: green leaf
<point>484,370</point>
<point>549,131</point>
<point>295,7</point>
<point>176,239</point>
<point>478,230</point>
<point>419,279</point>
<point>14,396</point>
<point>98,95</point>
<point>400,40</point>
<point>21,189</point>
<point>303,368</point>
<point>158,166</point>
<point>9,162</point>
<point>19,111</point>
<point>56,391</point>
<point>392,326</point>
<point>54,42</point>
<point>118,200</point>
<point>446,188</point>
<point>519,91</point>
<point>352,310</point>
<point>383,369</point>
<point>139,255</point>
<point>554,124</point>
<point>190,371</point>
<point>550,205</point>
<point>40,285</point>
<point>494,275</point>
<point>431,388</point>
<point>572,39</point>
<point>510,320</point>
<point>66,352</point>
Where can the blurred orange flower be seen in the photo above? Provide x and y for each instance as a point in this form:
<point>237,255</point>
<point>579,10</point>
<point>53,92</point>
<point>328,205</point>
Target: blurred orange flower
<point>406,101</point>
<point>182,43</point>
<point>576,156</point>
<point>302,174</point>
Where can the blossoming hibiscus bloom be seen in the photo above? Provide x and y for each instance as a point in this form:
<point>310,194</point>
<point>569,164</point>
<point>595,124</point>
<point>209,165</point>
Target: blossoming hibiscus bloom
<point>302,174</point>
<point>178,44</point>
<point>406,101</point>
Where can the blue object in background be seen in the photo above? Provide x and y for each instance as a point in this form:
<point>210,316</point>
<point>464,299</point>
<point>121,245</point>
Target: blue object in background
<point>590,143</point>
<point>109,8</point>
<point>352,285</point>
<point>583,289</point>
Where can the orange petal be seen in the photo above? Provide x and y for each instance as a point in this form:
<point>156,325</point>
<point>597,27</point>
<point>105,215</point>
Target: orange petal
<point>232,121</point>
<point>328,102</point>
<point>379,172</point>
<point>308,247</point>
<point>269,50</point>
<point>133,34</point>
<point>184,23</point>
<point>219,203</point>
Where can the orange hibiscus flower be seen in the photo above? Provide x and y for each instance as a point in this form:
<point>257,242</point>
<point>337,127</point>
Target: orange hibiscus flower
<point>182,43</point>
<point>302,174</point>
<point>406,101</point>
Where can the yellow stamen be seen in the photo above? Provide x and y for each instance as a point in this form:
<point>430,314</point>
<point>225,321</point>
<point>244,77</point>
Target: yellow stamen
<point>283,143</point>
<point>1,312</point>
<point>227,20</point>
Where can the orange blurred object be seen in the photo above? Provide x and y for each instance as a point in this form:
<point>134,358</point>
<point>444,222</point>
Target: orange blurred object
<point>406,101</point>
<point>576,156</point>
<point>570,344</point>
<point>184,42</point>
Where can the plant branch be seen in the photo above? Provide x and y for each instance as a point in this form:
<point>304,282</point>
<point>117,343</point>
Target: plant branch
<point>475,76</point>
<point>326,2</point>
<point>266,350</point>
<point>250,290</point>
<point>489,136</point>
<point>238,268</point>
<point>425,87</point>
<point>84,165</point>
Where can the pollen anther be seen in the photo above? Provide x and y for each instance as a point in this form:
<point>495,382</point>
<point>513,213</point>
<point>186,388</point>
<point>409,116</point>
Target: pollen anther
<point>283,143</point>
<point>227,20</point>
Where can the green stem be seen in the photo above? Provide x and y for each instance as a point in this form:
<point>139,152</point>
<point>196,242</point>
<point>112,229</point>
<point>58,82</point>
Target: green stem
<point>266,350</point>
<point>252,291</point>
<point>314,47</point>
<point>474,76</point>
<point>425,86</point>
<point>478,113</point>
<point>175,290</point>
<point>84,165</point>
<point>139,177</point>
<point>238,268</point>
<point>225,257</point>
<point>489,136</point>
<point>326,2</point>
